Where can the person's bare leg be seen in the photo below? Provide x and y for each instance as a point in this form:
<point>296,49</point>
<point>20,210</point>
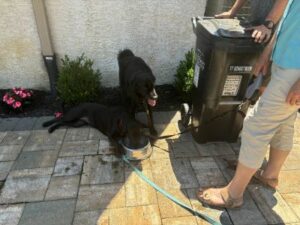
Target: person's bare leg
<point>235,188</point>
<point>241,179</point>
<point>276,160</point>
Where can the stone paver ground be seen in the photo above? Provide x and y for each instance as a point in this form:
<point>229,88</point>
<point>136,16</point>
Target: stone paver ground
<point>70,177</point>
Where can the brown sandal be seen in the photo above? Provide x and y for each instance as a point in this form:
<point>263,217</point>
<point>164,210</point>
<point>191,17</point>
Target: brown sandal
<point>205,195</point>
<point>268,182</point>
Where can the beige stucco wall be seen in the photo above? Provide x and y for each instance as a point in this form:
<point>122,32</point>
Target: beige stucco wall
<point>158,30</point>
<point>21,63</point>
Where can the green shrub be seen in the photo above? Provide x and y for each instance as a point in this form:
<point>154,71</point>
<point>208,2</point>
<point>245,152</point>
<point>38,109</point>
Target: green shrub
<point>77,81</point>
<point>184,76</point>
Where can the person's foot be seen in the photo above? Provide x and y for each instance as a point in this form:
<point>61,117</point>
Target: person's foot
<point>218,197</point>
<point>266,179</point>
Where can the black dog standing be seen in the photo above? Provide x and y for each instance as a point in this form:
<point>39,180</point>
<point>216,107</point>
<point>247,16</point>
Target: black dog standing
<point>137,85</point>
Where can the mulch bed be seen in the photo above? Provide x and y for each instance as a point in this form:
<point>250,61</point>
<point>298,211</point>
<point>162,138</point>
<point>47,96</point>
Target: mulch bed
<point>45,105</point>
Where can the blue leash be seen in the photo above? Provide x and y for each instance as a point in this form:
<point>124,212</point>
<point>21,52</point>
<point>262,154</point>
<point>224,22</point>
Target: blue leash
<point>169,196</point>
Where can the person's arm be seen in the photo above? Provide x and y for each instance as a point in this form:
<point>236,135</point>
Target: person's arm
<point>262,33</point>
<point>276,13</point>
<point>233,11</point>
<point>293,97</point>
<point>263,61</point>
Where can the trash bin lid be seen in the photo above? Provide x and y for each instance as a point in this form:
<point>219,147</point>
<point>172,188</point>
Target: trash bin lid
<point>226,28</point>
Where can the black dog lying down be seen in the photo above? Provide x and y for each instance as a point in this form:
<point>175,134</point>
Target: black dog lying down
<point>137,85</point>
<point>114,122</point>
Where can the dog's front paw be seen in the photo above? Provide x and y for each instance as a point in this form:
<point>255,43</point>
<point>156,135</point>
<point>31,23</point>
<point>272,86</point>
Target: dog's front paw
<point>51,129</point>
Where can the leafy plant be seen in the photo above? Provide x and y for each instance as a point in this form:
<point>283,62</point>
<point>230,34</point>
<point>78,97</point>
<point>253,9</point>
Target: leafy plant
<point>184,76</point>
<point>78,82</point>
<point>16,98</point>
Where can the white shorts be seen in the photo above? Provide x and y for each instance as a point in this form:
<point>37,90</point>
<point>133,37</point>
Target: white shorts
<point>271,120</point>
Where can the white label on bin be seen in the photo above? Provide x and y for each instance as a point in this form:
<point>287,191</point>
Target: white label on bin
<point>232,85</point>
<point>240,69</point>
<point>196,75</point>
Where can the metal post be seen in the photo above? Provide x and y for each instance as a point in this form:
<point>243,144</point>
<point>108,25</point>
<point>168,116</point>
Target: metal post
<point>46,44</point>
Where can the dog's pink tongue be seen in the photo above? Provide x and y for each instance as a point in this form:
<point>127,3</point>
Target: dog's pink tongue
<point>151,102</point>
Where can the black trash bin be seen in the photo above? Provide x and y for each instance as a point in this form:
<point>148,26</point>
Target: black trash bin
<point>225,56</point>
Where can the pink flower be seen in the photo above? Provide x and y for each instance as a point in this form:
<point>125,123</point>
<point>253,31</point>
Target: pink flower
<point>10,101</point>
<point>16,97</point>
<point>17,105</point>
<point>58,114</point>
<point>16,90</point>
<point>23,95</point>
<point>5,97</point>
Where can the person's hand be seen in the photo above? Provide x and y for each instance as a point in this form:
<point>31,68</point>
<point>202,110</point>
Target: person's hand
<point>293,97</point>
<point>225,15</point>
<point>261,33</point>
<point>262,64</point>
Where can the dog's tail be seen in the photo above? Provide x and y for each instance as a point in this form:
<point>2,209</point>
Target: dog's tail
<point>125,53</point>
